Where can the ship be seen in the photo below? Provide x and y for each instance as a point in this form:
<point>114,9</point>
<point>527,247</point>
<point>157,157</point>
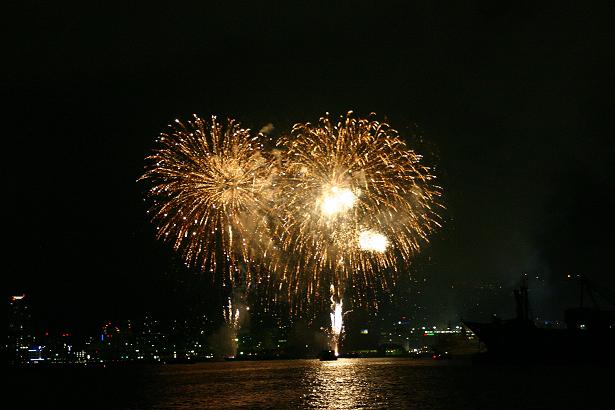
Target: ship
<point>589,335</point>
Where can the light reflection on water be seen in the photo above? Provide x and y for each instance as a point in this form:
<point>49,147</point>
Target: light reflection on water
<point>341,384</point>
<point>312,384</point>
<point>382,384</point>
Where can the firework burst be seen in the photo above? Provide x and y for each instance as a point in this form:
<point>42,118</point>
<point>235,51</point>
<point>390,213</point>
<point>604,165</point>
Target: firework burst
<point>355,204</point>
<point>209,186</point>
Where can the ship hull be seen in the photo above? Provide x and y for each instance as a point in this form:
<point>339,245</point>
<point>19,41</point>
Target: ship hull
<point>525,342</point>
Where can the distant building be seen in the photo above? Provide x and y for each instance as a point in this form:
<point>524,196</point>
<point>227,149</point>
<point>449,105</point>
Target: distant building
<point>19,336</point>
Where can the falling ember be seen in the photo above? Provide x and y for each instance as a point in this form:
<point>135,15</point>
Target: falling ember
<point>373,241</point>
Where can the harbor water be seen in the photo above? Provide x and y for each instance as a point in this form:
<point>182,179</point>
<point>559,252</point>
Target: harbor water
<point>387,383</point>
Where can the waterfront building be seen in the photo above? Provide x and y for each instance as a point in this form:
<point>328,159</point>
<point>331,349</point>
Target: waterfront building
<point>19,337</point>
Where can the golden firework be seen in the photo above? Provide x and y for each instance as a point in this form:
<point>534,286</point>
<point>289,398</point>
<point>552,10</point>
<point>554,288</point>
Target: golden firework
<point>355,204</point>
<point>209,187</point>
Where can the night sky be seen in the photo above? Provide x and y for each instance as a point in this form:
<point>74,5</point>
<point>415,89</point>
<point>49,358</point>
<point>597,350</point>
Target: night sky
<point>511,102</point>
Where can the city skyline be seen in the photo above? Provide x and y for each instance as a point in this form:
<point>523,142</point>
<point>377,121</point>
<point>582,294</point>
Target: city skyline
<point>263,335</point>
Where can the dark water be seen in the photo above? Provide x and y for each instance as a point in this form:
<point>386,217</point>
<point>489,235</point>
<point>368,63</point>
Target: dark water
<point>306,384</point>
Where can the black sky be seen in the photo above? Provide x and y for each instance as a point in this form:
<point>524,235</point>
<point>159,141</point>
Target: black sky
<point>514,101</point>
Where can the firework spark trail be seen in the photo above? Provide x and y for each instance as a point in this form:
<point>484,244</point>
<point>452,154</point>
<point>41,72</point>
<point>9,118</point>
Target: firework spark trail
<point>354,201</point>
<point>337,324</point>
<point>231,316</point>
<point>209,186</point>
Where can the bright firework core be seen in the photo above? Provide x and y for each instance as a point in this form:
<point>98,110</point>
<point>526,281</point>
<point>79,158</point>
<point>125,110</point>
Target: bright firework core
<point>336,200</point>
<point>373,241</point>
